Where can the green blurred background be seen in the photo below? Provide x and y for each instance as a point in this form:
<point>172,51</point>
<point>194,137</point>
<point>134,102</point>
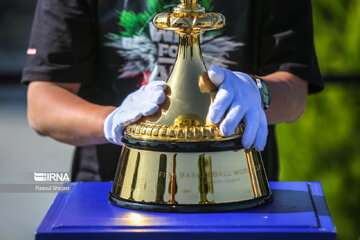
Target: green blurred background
<point>324,144</point>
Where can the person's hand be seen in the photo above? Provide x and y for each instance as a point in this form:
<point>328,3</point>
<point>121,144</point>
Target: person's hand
<point>238,98</point>
<point>143,102</point>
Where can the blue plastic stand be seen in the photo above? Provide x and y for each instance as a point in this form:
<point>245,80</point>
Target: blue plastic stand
<point>298,211</point>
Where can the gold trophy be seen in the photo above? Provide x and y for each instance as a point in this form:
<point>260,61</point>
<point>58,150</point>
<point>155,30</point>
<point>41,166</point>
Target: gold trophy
<point>176,160</point>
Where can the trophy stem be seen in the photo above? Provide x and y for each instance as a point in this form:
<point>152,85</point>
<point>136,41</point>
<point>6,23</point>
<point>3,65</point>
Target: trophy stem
<point>189,65</point>
<point>189,47</point>
<point>189,2</point>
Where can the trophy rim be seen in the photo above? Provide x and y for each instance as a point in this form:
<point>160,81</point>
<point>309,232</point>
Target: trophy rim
<point>191,208</point>
<point>209,146</point>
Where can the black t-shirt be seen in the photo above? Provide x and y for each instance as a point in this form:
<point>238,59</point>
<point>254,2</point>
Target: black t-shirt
<point>112,48</point>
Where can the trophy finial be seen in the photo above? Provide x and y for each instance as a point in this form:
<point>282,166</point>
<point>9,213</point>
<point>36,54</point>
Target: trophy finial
<point>189,17</point>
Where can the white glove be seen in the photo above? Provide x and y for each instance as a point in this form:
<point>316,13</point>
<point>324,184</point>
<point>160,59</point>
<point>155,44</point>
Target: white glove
<point>238,98</point>
<point>143,102</point>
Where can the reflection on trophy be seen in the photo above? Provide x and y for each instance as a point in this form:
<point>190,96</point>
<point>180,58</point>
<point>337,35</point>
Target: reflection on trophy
<point>176,160</point>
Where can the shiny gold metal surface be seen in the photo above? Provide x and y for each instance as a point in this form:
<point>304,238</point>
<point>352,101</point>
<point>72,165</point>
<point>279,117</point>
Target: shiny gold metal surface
<point>176,160</point>
<point>183,117</point>
<point>189,18</point>
<point>190,178</point>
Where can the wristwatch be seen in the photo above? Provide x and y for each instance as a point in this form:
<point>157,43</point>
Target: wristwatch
<point>264,91</point>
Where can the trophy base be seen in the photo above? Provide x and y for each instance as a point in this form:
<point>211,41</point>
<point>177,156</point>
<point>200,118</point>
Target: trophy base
<point>208,178</point>
<point>190,208</point>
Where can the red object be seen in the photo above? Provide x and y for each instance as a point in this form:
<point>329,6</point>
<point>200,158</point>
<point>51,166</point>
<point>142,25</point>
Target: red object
<point>144,80</point>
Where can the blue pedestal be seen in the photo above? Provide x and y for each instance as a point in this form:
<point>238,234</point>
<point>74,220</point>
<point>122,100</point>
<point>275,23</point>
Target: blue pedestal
<point>298,211</point>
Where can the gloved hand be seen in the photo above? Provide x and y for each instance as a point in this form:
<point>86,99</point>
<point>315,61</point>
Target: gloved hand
<point>143,102</point>
<point>238,98</point>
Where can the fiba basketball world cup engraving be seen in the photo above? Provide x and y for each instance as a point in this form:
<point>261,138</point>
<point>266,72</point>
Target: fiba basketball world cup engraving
<point>176,160</point>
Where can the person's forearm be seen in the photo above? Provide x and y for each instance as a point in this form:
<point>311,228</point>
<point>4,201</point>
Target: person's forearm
<point>288,97</point>
<point>59,113</point>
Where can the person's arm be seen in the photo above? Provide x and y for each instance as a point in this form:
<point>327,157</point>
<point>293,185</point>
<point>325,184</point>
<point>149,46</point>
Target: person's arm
<point>238,98</point>
<point>55,110</point>
<point>288,97</point>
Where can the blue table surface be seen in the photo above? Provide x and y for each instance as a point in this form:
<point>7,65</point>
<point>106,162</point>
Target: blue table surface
<point>298,211</point>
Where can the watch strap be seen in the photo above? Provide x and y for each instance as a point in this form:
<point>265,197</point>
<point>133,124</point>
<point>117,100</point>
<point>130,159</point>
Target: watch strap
<point>263,89</point>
